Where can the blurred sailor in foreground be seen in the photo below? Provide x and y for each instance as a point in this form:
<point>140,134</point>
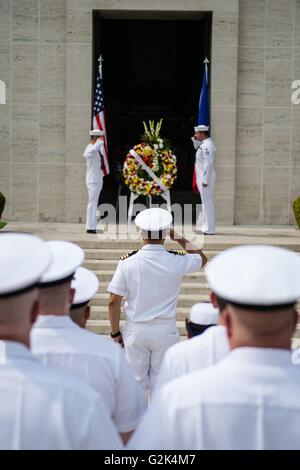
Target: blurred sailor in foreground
<point>58,341</point>
<point>250,399</point>
<point>150,280</point>
<point>40,408</point>
<point>86,286</point>
<point>202,350</point>
<point>202,316</point>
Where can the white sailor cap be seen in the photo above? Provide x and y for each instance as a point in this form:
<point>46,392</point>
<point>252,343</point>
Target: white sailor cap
<point>255,275</point>
<point>23,260</point>
<point>201,128</point>
<point>86,285</point>
<point>66,258</point>
<point>96,132</point>
<point>204,313</point>
<point>153,220</point>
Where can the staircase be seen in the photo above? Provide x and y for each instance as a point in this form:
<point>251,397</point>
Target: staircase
<point>104,258</point>
<point>102,253</point>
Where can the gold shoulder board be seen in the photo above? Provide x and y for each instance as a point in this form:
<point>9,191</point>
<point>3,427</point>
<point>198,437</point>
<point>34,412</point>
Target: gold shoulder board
<point>130,253</point>
<point>177,252</point>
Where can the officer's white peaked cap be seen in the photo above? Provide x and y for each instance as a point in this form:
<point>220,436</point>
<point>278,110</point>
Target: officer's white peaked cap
<point>153,220</point>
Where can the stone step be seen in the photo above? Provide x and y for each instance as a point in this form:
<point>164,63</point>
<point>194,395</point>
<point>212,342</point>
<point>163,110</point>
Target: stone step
<point>101,313</point>
<point>106,276</point>
<point>187,288</point>
<point>101,264</point>
<point>183,300</point>
<point>115,254</point>
<point>103,327</point>
<point>211,244</point>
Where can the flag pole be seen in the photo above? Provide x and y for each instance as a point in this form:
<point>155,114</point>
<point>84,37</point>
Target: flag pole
<point>100,60</point>
<point>206,62</point>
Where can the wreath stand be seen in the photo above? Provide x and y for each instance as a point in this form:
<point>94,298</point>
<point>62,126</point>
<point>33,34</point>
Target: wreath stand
<point>166,196</point>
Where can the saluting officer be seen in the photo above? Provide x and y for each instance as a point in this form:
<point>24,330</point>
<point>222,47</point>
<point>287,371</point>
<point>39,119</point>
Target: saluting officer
<point>150,280</point>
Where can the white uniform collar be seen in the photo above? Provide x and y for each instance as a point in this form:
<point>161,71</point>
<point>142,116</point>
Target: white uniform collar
<point>14,349</point>
<point>260,356</point>
<point>205,140</point>
<point>154,247</point>
<point>54,321</point>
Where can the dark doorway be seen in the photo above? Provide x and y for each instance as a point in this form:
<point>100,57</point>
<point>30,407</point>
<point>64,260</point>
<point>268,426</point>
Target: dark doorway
<point>152,69</point>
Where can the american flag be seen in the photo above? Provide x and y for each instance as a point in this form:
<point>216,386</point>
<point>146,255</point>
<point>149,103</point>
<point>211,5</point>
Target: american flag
<point>99,117</point>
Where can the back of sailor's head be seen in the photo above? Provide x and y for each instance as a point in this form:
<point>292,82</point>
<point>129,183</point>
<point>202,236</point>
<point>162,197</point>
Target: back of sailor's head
<point>23,260</point>
<point>55,284</point>
<point>258,287</point>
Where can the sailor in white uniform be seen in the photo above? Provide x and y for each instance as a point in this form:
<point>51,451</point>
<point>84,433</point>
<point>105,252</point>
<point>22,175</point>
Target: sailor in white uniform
<point>206,176</point>
<point>200,351</point>
<point>94,177</point>
<point>58,341</point>
<point>40,408</point>
<point>202,316</point>
<point>150,279</point>
<point>86,286</point>
<point>250,399</point>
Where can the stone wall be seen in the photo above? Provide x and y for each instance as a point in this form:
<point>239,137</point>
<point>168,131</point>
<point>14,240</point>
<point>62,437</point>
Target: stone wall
<point>46,63</point>
<point>268,124</point>
<point>32,123</point>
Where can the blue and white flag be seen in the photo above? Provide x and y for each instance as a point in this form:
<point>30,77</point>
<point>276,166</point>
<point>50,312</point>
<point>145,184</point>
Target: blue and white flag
<point>203,112</point>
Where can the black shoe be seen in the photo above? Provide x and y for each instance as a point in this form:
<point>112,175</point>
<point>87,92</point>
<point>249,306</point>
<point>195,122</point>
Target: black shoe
<point>91,231</point>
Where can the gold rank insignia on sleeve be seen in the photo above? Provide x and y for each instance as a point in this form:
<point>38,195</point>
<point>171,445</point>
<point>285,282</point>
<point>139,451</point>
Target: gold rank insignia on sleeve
<point>127,255</point>
<point>177,252</point>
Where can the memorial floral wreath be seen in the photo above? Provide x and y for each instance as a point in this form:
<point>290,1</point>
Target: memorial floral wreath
<point>156,154</point>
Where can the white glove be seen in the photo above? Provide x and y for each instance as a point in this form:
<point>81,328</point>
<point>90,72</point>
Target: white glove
<point>196,143</point>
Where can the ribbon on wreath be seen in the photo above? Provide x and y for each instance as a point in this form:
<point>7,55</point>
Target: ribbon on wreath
<point>148,170</point>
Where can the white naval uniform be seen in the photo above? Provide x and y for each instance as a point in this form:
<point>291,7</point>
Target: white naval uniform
<point>59,342</point>
<point>43,409</point>
<point>205,173</point>
<point>194,354</point>
<point>150,280</point>
<point>249,400</point>
<point>94,181</point>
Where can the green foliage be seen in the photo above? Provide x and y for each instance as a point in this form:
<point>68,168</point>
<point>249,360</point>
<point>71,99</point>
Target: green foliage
<point>2,206</point>
<point>2,203</point>
<point>152,135</point>
<point>296,207</point>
